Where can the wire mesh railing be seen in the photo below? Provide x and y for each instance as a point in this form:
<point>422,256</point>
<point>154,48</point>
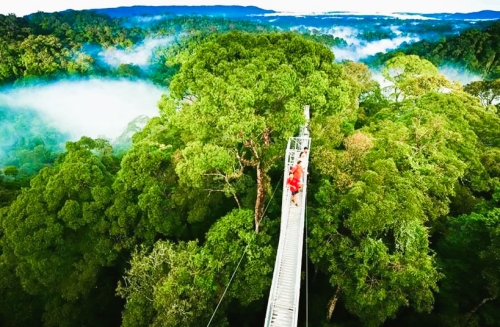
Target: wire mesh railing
<point>295,147</point>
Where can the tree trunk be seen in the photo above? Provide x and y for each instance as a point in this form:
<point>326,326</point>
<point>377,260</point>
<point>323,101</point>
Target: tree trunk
<point>332,303</point>
<point>259,202</point>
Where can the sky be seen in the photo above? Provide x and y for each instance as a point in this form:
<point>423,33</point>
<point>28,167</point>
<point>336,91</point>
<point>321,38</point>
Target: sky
<point>24,7</point>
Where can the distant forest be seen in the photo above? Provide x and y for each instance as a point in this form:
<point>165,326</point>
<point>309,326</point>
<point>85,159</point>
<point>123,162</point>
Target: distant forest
<point>475,50</point>
<point>403,207</point>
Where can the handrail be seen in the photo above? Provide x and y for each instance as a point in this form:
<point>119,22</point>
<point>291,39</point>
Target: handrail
<point>305,142</point>
<point>285,205</point>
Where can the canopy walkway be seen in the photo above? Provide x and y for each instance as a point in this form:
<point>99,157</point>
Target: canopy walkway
<point>283,304</point>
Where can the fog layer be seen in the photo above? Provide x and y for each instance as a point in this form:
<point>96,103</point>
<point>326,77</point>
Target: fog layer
<point>93,107</point>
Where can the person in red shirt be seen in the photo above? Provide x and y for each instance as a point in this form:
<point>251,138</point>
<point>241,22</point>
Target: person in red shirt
<point>297,172</point>
<point>293,184</point>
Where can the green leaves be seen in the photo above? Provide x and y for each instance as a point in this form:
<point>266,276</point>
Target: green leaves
<point>155,282</point>
<point>487,91</point>
<point>469,259</point>
<point>58,232</point>
<point>412,76</point>
<point>384,185</point>
<point>473,50</point>
<point>181,284</point>
<point>240,97</point>
<point>227,240</point>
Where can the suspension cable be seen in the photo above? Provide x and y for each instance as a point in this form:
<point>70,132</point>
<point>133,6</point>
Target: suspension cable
<point>272,196</point>
<point>241,258</point>
<point>227,287</point>
<point>307,268</point>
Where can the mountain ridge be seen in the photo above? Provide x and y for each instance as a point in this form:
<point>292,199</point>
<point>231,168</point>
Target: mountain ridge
<point>243,11</point>
<point>216,10</point>
<point>483,14</point>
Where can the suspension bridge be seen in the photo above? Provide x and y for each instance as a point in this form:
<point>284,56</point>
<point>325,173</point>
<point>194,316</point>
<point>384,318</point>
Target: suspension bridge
<point>283,303</point>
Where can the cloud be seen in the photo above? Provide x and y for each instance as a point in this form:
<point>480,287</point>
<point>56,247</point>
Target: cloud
<point>451,73</point>
<point>375,14</point>
<point>459,74</point>
<point>93,107</point>
<point>379,78</point>
<point>138,55</point>
<point>410,16</point>
<point>358,50</point>
<point>148,19</point>
<point>349,34</point>
<point>395,30</point>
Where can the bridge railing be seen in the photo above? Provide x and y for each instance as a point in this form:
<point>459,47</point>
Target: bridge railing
<point>294,147</point>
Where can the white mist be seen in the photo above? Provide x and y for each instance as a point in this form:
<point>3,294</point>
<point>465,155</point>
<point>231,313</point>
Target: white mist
<point>92,107</point>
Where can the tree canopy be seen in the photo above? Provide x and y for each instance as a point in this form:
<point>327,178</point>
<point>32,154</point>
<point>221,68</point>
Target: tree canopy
<point>403,185</point>
<point>58,234</point>
<point>239,98</point>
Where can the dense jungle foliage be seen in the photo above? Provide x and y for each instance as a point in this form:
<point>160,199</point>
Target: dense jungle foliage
<point>404,183</point>
<point>475,50</point>
<point>60,44</point>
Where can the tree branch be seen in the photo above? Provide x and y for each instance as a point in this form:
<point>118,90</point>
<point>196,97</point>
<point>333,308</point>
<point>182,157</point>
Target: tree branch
<point>245,162</point>
<point>210,190</point>
<point>473,311</point>
<point>227,178</point>
<point>266,135</point>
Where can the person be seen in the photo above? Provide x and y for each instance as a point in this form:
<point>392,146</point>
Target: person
<point>297,170</point>
<point>293,185</point>
<point>304,157</point>
<point>304,152</point>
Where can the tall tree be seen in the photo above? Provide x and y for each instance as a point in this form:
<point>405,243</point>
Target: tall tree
<point>383,187</point>
<point>487,91</point>
<point>182,284</point>
<point>469,256</point>
<point>149,201</point>
<point>42,55</point>
<point>241,96</point>
<point>59,235</point>
<point>412,76</point>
